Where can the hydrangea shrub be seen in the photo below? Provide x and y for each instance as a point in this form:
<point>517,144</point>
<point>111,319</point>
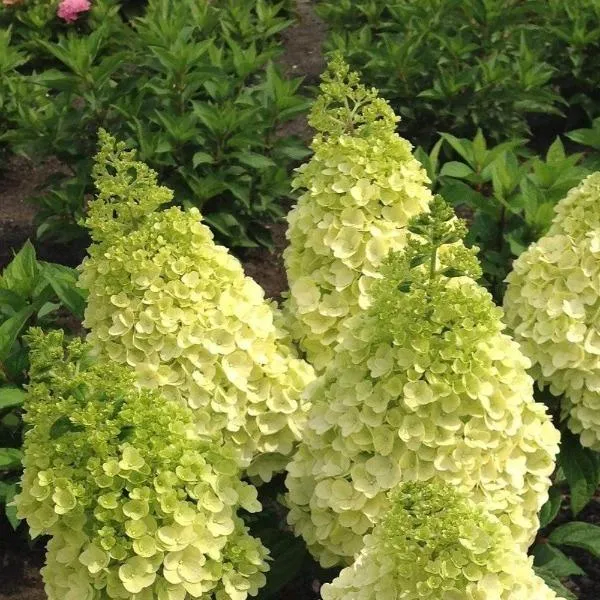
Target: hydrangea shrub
<point>169,302</point>
<point>139,505</point>
<point>360,188</point>
<point>435,544</point>
<point>552,304</point>
<point>424,384</point>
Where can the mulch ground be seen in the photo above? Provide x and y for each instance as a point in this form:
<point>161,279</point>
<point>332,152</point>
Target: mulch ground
<point>20,179</point>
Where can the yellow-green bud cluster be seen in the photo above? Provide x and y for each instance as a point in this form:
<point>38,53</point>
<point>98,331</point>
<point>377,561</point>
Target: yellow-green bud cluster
<point>169,302</point>
<point>425,384</point>
<point>552,304</point>
<point>138,504</point>
<point>360,188</point>
<point>434,544</point>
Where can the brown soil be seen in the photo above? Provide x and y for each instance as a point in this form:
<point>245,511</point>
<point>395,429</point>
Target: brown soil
<point>20,180</point>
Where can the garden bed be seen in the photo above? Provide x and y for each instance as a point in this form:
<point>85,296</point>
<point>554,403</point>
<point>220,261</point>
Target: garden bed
<point>303,56</point>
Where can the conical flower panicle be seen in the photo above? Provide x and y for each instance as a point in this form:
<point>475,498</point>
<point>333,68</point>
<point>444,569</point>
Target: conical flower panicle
<point>177,308</point>
<point>434,544</point>
<point>552,304</point>
<point>423,385</point>
<point>137,504</point>
<point>359,190</point>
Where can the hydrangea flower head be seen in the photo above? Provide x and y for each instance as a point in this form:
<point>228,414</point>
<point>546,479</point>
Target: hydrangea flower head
<point>434,544</point>
<point>69,10</point>
<point>423,385</point>
<point>138,504</point>
<point>170,303</point>
<point>359,190</point>
<point>552,305</point>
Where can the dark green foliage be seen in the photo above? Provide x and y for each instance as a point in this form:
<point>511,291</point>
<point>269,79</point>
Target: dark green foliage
<point>506,192</point>
<point>190,84</point>
<point>459,65</point>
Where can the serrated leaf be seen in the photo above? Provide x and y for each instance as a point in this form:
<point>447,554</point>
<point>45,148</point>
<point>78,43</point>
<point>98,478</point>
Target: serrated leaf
<point>554,583</point>
<point>580,467</point>
<point>456,169</point>
<point>21,274</point>
<point>11,328</point>
<point>550,509</point>
<point>11,299</point>
<point>63,425</point>
<point>553,559</point>
<point>10,458</point>
<point>201,158</point>
<point>63,281</point>
<point>254,160</point>
<point>288,554</point>
<point>11,396</point>
<point>578,534</point>
<point>8,494</point>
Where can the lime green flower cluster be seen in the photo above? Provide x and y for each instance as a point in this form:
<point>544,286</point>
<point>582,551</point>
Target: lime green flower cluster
<point>552,304</point>
<point>138,505</point>
<point>425,384</point>
<point>360,189</point>
<point>434,544</point>
<point>169,302</point>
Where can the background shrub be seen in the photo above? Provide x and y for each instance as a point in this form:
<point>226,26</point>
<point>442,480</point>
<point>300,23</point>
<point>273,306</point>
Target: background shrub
<point>459,65</point>
<point>190,84</point>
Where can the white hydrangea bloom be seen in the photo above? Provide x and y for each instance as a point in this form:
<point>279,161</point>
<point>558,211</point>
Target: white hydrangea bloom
<point>552,304</point>
<point>434,544</point>
<point>360,188</point>
<point>424,385</point>
<point>167,301</point>
<point>138,504</point>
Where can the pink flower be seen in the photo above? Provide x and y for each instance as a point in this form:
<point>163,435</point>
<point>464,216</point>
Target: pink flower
<point>69,9</point>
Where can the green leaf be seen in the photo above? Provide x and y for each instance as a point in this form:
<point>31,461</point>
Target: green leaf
<point>254,160</point>
<point>21,274</point>
<point>462,146</point>
<point>11,299</point>
<point>288,554</point>
<point>11,328</point>
<point>556,152</point>
<point>553,582</point>
<point>580,466</point>
<point>63,281</point>
<point>63,425</point>
<point>586,137</point>
<point>578,534</point>
<point>553,559</point>
<point>202,158</point>
<point>8,493</point>
<point>11,396</point>
<point>550,509</point>
<point>456,169</point>
<point>10,459</point>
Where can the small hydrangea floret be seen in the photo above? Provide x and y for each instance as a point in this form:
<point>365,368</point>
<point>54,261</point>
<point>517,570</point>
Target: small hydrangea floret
<point>423,385</point>
<point>177,308</point>
<point>434,544</point>
<point>138,504</point>
<point>359,190</point>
